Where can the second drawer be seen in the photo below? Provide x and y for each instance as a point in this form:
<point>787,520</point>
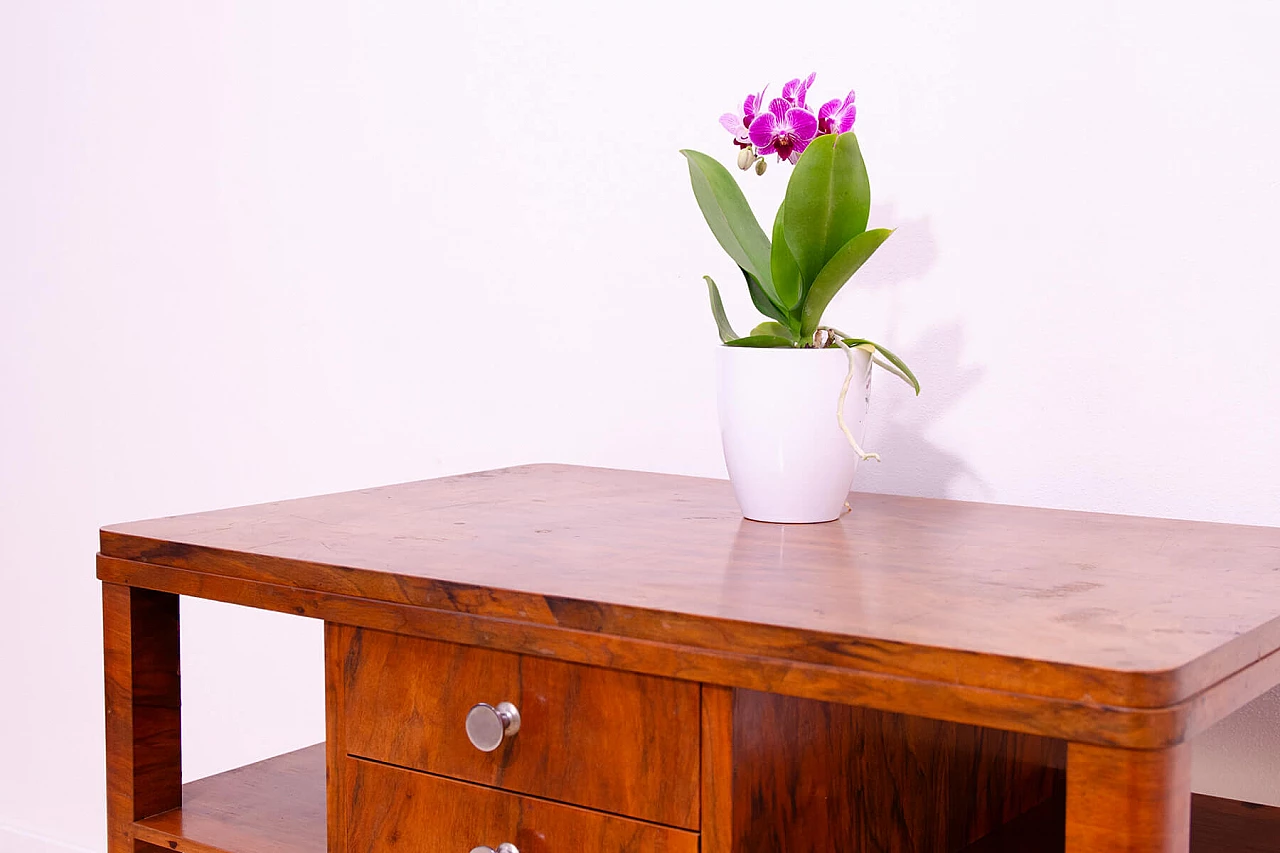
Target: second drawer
<point>614,741</point>
<point>402,810</point>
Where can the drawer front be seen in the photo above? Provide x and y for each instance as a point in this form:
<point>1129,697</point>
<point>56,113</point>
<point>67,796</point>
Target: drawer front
<point>402,811</point>
<point>614,741</point>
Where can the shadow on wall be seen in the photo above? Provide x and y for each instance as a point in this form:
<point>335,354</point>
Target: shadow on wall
<point>909,253</point>
<point>900,423</point>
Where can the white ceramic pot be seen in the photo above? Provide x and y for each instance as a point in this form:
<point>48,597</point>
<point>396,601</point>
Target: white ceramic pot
<point>787,457</point>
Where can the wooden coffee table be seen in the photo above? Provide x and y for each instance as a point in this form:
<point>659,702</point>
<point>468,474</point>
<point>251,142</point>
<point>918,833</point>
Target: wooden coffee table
<point>563,659</point>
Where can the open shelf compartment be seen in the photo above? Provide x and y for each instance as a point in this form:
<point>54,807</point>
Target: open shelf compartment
<point>273,806</point>
<point>278,806</point>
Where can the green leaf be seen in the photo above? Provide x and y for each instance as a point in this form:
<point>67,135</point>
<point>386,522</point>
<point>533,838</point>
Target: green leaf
<point>907,375</point>
<point>828,200</point>
<point>763,303</point>
<point>773,329</point>
<point>833,276</point>
<point>760,341</point>
<point>786,274</point>
<point>726,210</point>
<point>717,310</point>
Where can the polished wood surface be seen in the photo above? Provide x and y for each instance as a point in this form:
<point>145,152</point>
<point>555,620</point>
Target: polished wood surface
<point>818,776</point>
<point>717,769</point>
<point>336,641</point>
<point>143,708</point>
<point>277,806</point>
<point>1027,601</point>
<point>274,806</point>
<point>1081,720</point>
<point>1128,801</point>
<point>1228,826</point>
<point>881,651</point>
<point>395,810</point>
<point>1217,826</point>
<point>585,732</point>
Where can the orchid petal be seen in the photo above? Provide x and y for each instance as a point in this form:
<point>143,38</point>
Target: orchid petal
<point>733,124</point>
<point>779,107</point>
<point>804,88</point>
<point>824,115</point>
<point>847,117</point>
<point>789,90</point>
<point>762,131</point>
<point>803,125</point>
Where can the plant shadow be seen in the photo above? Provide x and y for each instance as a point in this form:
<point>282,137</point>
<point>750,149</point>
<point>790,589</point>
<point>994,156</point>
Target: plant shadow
<point>908,255</point>
<point>898,429</point>
<point>899,424</point>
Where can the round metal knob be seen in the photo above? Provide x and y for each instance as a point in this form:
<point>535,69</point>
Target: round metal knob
<point>486,728</point>
<point>502,848</point>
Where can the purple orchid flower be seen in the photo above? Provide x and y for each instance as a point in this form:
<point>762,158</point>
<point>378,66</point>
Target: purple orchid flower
<point>753,106</point>
<point>837,116</point>
<point>733,123</point>
<point>784,129</point>
<point>738,125</point>
<point>796,89</point>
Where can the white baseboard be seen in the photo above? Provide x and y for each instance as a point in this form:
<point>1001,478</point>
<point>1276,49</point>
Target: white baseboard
<point>15,840</point>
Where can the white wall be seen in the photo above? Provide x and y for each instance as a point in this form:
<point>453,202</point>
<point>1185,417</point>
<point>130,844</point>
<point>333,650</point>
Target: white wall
<point>255,250</point>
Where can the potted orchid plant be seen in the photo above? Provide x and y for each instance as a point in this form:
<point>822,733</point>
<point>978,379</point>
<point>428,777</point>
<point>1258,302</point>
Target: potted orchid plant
<point>788,458</point>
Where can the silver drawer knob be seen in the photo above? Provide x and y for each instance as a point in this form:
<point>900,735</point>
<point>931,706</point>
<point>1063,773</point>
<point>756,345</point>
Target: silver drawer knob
<point>502,848</point>
<point>486,727</point>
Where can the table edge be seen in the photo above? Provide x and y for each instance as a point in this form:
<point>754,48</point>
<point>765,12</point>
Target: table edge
<point>1149,689</point>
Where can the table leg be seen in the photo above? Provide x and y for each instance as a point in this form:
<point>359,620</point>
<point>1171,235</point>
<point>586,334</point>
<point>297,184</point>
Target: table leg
<point>717,769</point>
<point>144,750</point>
<point>1128,801</point>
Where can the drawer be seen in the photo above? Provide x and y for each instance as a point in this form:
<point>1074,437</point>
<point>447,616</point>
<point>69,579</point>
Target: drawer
<point>607,740</point>
<point>395,810</point>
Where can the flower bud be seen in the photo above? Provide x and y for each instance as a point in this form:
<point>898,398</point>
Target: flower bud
<point>761,165</point>
<point>745,157</point>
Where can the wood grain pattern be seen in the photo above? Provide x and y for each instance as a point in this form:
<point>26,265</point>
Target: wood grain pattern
<point>396,810</point>
<point>717,769</point>
<point>1051,603</point>
<point>277,806</point>
<point>1217,826</point>
<point>143,716</point>
<point>1077,720</point>
<point>820,776</point>
<point>273,806</point>
<point>336,640</point>
<point>980,617</point>
<point>1128,801</point>
<point>608,740</point>
<point>1229,826</point>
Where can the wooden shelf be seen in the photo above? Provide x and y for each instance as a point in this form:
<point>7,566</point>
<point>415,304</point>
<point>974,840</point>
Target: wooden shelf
<point>1217,826</point>
<point>1233,826</point>
<point>274,806</point>
<point>278,806</point>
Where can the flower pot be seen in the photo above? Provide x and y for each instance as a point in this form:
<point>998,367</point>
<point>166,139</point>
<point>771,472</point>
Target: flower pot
<point>788,459</point>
